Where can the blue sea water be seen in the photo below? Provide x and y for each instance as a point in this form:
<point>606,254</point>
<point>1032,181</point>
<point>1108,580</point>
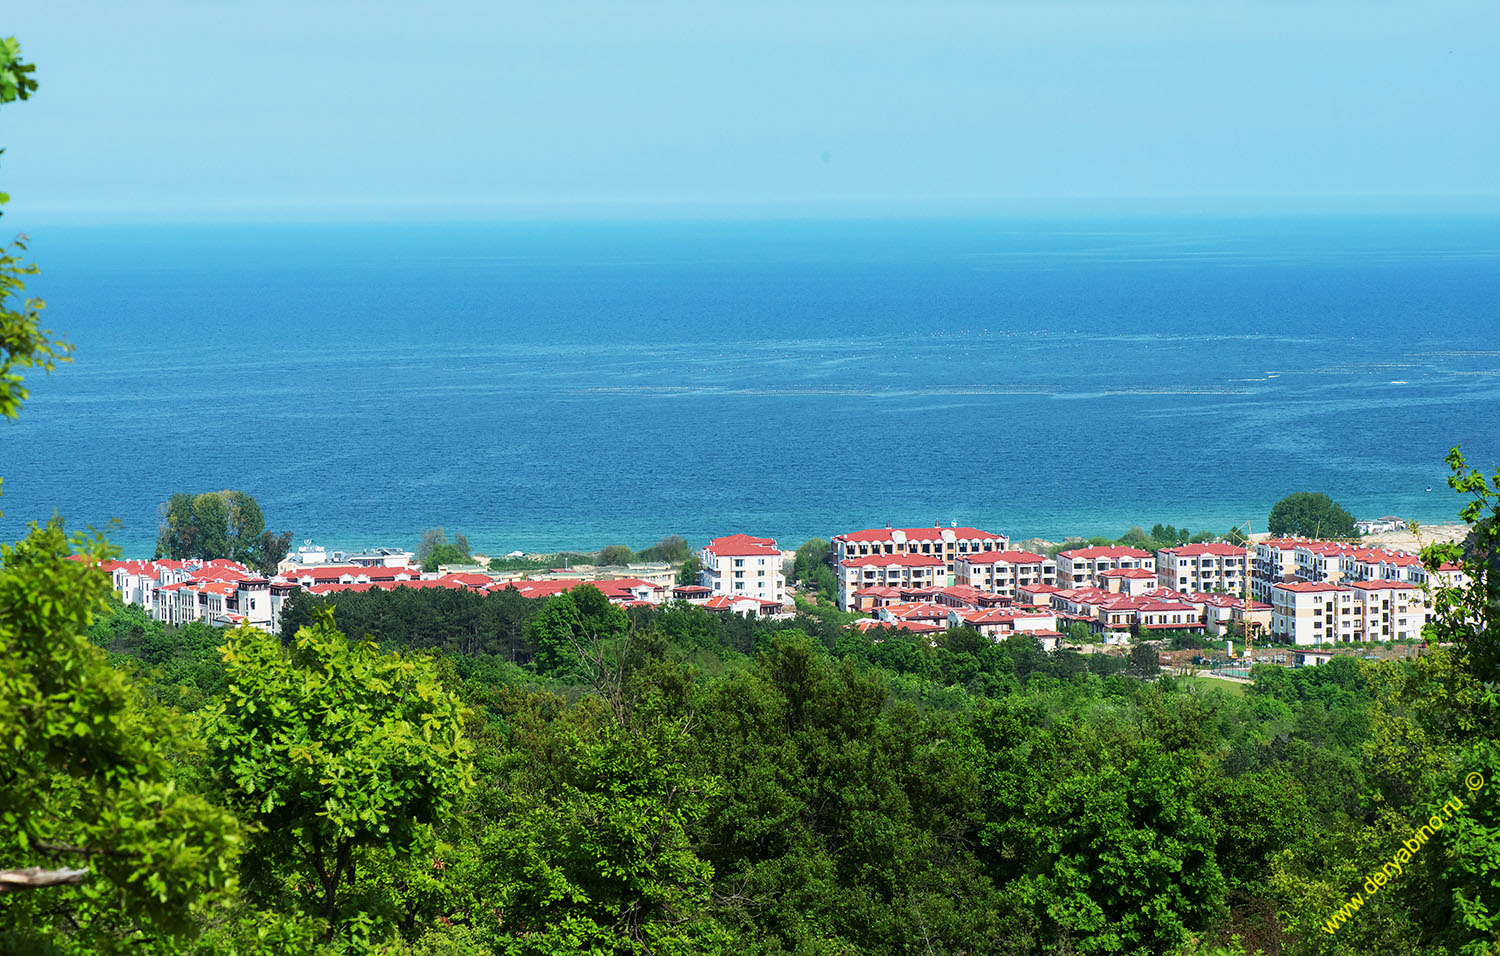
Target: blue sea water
<point>546,385</point>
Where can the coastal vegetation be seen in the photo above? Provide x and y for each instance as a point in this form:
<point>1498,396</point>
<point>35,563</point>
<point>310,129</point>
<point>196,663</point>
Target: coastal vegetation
<point>672,549</point>
<point>811,567</point>
<point>219,524</point>
<point>435,549</point>
<point>1160,536</point>
<point>1307,514</point>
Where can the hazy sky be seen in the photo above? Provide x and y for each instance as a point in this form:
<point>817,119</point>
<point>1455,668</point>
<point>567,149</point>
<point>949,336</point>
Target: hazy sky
<point>320,109</point>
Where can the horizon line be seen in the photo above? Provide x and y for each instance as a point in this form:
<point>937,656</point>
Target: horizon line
<point>445,212</point>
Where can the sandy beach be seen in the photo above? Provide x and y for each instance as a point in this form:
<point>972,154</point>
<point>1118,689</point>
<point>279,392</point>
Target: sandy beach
<point>1405,540</point>
<point>1429,534</point>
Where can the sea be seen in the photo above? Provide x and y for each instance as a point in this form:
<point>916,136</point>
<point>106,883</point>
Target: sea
<point>567,385</point>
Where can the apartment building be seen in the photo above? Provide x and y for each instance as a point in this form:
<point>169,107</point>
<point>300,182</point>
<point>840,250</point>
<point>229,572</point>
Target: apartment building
<point>1387,610</point>
<point>1132,581</point>
<point>946,543</point>
<point>1104,611</point>
<point>1225,615</point>
<point>1274,562</point>
<point>743,605</point>
<point>873,598</point>
<point>866,624</point>
<point>1321,561</point>
<point>1312,612</point>
<point>1155,614</point>
<point>1081,567</point>
<point>742,565</point>
<point>1376,564</point>
<point>901,571</point>
<point>1449,575</point>
<point>1002,572</point>
<point>1203,567</point>
<point>1036,595</point>
<point>249,600</point>
<point>914,612</point>
<point>135,581</point>
<point>1000,623</point>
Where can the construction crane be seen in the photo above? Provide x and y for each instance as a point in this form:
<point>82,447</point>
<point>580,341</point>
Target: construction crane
<point>1245,596</point>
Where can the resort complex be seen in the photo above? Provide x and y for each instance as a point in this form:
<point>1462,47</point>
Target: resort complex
<point>1302,592</point>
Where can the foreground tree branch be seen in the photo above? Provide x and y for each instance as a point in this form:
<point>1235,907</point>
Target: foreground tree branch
<point>34,877</point>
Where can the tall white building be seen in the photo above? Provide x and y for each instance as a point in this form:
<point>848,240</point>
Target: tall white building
<point>1002,572</point>
<point>1081,567</point>
<point>1203,567</point>
<point>901,571</point>
<point>1320,612</point>
<point>740,564</point>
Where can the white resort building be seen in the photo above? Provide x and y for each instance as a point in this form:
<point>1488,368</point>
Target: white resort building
<point>740,565</point>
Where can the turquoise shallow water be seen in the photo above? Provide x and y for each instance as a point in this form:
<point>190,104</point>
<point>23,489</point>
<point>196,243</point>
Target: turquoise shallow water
<point>573,385</point>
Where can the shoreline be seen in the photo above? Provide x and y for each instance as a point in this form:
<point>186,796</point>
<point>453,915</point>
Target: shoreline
<point>1395,540</point>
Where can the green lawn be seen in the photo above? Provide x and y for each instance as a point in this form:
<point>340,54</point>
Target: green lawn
<point>1212,683</point>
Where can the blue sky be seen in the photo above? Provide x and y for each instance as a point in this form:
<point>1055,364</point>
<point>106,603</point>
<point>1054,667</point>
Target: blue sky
<point>189,110</point>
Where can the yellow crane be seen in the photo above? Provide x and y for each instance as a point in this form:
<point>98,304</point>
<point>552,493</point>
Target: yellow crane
<point>1245,596</point>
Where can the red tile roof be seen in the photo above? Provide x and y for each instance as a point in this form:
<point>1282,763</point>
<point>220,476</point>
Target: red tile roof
<point>1166,594</point>
<point>1382,585</point>
<point>913,627</point>
<point>337,587</point>
<point>1110,551</point>
<point>1003,557</point>
<point>1326,548</point>
<point>1194,550</point>
<point>915,611</point>
<point>542,589</point>
<point>997,616</point>
<point>960,591</point>
<point>743,545</point>
<point>332,572</point>
<point>725,602</point>
<point>904,560</point>
<point>1150,606</point>
<point>918,534</point>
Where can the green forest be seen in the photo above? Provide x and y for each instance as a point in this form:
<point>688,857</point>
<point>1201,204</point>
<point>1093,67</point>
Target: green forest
<point>492,774</point>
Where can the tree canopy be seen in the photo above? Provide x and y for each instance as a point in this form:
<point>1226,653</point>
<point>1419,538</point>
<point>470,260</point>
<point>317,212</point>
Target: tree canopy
<point>1310,515</point>
<point>614,554</point>
<point>23,342</point>
<point>435,549</point>
<point>672,549</point>
<point>91,767</point>
<point>219,524</point>
<point>331,747</point>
